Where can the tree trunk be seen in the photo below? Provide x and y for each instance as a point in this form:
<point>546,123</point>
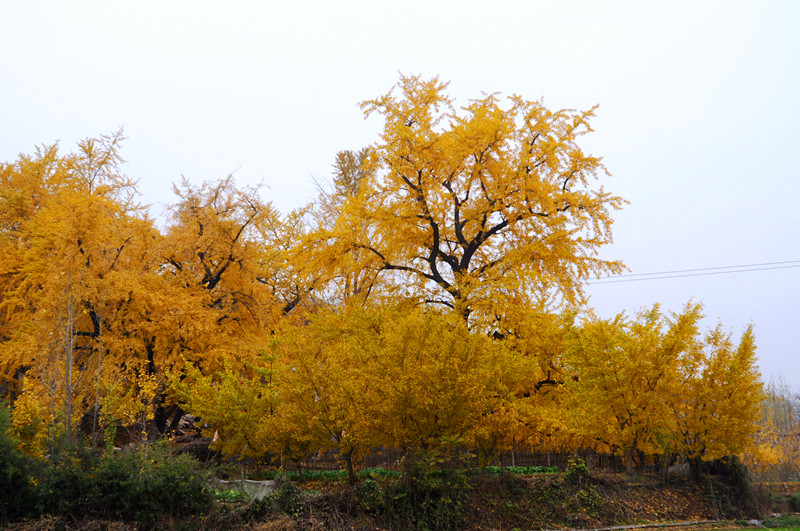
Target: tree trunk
<point>97,384</point>
<point>351,473</point>
<point>696,464</point>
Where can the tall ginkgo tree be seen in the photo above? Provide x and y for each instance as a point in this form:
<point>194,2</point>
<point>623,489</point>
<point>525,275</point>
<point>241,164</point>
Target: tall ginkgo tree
<point>480,208</point>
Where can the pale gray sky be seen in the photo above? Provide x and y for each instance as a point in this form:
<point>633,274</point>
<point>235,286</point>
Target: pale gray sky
<point>697,123</point>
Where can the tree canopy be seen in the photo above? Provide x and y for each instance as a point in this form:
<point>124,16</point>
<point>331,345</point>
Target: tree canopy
<point>483,207</point>
<point>431,299</point>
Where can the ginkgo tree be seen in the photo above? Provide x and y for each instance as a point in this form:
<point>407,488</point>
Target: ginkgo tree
<point>72,232</point>
<point>478,208</point>
<point>340,271</point>
<point>718,404</point>
<point>355,379</point>
<point>655,385</point>
<point>626,371</point>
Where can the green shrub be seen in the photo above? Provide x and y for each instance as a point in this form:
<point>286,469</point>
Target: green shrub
<point>794,502</point>
<point>379,473</point>
<point>287,497</point>
<point>143,485</point>
<point>426,496</point>
<point>150,483</point>
<point>522,470</point>
<point>730,490</point>
<point>66,482</point>
<point>576,471</point>
<point>422,496</point>
<point>230,496</point>
<point>371,496</point>
<point>589,500</point>
<point>329,475</point>
<point>784,520</point>
<point>16,482</point>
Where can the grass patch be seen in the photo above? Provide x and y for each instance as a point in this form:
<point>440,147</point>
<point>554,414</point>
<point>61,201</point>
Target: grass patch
<point>328,475</point>
<point>520,470</point>
<point>374,473</point>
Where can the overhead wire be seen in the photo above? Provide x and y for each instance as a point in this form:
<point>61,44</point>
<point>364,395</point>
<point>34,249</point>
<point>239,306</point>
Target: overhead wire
<point>705,271</point>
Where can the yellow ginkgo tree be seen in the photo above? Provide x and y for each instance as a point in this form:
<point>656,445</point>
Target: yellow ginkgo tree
<point>653,385</point>
<point>479,208</point>
<point>625,371</point>
<point>74,249</point>
<point>718,404</point>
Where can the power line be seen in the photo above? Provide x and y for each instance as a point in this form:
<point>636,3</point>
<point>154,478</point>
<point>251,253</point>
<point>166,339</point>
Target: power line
<point>681,273</point>
<point>625,275</point>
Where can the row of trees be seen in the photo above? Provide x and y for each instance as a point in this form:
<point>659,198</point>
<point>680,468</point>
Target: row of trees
<point>431,298</point>
<point>355,380</point>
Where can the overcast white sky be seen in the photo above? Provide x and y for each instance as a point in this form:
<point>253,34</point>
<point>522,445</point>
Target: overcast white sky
<point>698,118</point>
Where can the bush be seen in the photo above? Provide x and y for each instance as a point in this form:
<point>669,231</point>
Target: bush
<point>423,496</point>
<point>521,470</point>
<point>287,497</point>
<point>426,496</point>
<point>576,470</point>
<point>794,503</point>
<point>65,484</point>
<point>734,492</point>
<point>230,496</point>
<point>328,475</point>
<point>371,496</point>
<point>16,482</point>
<point>144,485</point>
<point>151,483</point>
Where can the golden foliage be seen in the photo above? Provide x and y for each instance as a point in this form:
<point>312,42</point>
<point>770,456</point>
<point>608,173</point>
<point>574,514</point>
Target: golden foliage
<point>412,306</point>
<point>480,208</point>
<point>655,385</point>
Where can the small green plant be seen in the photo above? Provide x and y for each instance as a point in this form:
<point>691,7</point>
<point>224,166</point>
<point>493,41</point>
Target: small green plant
<point>576,470</point>
<point>589,500</point>
<point>230,496</point>
<point>329,475</point>
<point>379,473</point>
<point>510,508</point>
<point>522,470</point>
<point>371,496</point>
